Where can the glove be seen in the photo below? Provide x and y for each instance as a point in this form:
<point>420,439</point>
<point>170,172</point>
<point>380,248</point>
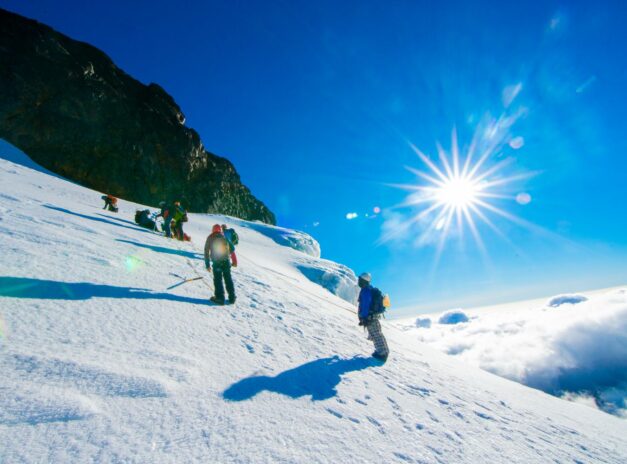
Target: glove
<point>234,265</point>
<point>209,269</point>
<point>363,321</point>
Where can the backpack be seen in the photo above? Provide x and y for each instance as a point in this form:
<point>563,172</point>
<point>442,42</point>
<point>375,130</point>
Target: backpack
<point>234,238</point>
<point>380,303</point>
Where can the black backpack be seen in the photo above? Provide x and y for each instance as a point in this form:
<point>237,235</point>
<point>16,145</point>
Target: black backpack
<point>232,236</point>
<point>377,309</point>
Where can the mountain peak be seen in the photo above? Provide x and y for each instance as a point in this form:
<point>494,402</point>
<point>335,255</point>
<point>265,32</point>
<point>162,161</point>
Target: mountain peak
<point>72,110</point>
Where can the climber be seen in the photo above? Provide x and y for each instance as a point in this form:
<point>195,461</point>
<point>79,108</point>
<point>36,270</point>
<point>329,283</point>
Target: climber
<point>166,214</point>
<point>217,252</point>
<point>371,307</point>
<point>144,219</point>
<point>179,216</point>
<point>111,203</point>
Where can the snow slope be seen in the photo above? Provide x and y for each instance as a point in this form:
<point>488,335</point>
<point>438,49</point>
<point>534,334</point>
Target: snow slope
<point>101,362</point>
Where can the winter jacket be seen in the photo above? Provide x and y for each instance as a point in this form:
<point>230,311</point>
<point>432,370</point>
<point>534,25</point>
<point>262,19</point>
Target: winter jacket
<point>365,301</point>
<point>217,250</point>
<point>164,213</point>
<point>178,213</point>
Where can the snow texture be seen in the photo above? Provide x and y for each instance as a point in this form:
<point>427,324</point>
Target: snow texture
<point>101,362</point>
<point>580,354</point>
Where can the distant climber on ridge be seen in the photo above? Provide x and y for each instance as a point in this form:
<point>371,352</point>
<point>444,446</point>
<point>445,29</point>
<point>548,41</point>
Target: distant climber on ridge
<point>233,239</point>
<point>111,203</point>
<point>179,216</point>
<point>217,254</point>
<point>372,304</point>
<point>166,214</point>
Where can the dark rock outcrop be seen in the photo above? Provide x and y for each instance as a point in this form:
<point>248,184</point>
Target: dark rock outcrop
<point>73,111</point>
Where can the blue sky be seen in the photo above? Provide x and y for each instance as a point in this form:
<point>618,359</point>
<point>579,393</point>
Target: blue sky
<point>316,104</point>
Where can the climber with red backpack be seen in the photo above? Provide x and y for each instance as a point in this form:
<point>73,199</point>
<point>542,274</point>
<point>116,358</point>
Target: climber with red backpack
<point>111,203</point>
<point>218,259</point>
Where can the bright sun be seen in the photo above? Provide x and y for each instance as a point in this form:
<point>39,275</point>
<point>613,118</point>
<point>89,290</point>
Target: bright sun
<point>458,193</point>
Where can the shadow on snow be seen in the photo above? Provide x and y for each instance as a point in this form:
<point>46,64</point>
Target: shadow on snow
<point>24,287</point>
<point>119,219</point>
<point>158,249</point>
<point>97,219</point>
<point>317,378</point>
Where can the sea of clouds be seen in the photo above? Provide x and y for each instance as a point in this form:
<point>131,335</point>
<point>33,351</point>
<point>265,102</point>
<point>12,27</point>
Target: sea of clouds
<point>573,346</point>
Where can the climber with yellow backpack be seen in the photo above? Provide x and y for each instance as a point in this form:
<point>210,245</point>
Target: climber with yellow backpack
<point>372,306</point>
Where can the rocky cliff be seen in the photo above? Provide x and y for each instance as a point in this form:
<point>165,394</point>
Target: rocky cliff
<point>72,110</point>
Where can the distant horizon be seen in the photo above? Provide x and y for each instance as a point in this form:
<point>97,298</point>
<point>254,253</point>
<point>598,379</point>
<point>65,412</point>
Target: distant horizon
<point>400,314</point>
<point>323,107</point>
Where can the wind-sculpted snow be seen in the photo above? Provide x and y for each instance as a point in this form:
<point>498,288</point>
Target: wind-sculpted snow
<point>299,241</point>
<point>579,352</point>
<point>108,353</point>
<point>34,405</point>
<point>336,278</point>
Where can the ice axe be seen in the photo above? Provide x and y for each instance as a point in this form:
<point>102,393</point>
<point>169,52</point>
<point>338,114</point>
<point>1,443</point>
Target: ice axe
<point>184,281</point>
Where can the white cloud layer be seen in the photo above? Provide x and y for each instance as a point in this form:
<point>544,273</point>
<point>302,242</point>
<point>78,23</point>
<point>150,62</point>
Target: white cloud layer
<point>573,346</point>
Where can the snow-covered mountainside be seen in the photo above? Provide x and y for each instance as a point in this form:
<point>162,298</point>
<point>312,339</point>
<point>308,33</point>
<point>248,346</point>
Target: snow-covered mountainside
<point>105,359</point>
<point>571,345</point>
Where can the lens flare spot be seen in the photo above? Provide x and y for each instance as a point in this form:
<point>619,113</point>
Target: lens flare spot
<point>523,198</point>
<point>351,216</point>
<point>376,210</point>
<point>517,142</point>
<point>132,263</point>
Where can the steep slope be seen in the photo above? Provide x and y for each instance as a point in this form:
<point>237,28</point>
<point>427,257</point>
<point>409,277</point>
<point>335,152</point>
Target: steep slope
<point>103,359</point>
<point>68,106</point>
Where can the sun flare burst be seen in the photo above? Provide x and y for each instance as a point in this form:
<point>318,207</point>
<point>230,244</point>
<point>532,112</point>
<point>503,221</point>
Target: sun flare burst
<point>460,191</point>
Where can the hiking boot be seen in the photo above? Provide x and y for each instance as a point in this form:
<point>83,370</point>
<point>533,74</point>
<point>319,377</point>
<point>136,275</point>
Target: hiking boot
<point>217,301</point>
<point>380,357</point>
<point>231,301</point>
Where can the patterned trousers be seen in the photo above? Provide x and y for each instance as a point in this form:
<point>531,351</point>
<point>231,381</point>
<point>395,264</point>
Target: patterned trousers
<point>376,335</point>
